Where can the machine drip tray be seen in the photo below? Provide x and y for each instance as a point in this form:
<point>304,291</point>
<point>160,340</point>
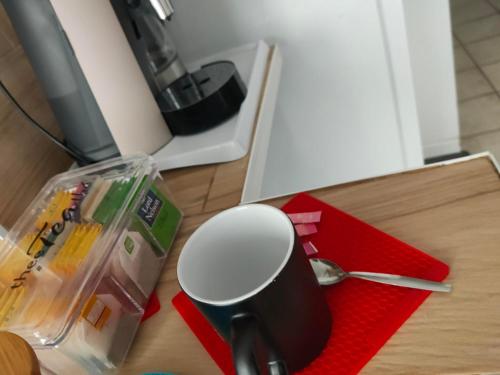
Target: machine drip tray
<point>230,140</point>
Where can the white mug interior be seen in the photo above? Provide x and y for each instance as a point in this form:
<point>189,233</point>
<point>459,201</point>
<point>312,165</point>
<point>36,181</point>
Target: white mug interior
<point>235,254</point>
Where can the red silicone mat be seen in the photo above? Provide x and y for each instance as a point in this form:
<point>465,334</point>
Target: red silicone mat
<point>152,307</point>
<point>365,314</point>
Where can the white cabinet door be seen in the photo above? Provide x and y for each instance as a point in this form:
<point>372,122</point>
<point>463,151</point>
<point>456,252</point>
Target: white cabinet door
<point>344,109</point>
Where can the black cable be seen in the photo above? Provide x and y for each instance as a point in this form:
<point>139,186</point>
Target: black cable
<point>75,155</point>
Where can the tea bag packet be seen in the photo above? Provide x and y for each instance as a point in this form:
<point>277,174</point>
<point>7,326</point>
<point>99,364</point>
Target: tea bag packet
<point>96,193</point>
<point>136,261</point>
<point>52,213</point>
<point>157,219</point>
<point>97,325</point>
<point>112,201</point>
<point>75,249</point>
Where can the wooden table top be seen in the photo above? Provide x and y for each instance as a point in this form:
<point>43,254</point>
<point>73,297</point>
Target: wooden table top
<point>450,211</point>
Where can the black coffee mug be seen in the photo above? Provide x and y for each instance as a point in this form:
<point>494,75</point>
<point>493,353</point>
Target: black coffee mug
<point>248,274</point>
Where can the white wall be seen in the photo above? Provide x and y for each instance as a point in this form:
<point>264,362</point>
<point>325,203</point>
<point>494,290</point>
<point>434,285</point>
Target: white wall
<point>339,114</point>
<point>431,50</point>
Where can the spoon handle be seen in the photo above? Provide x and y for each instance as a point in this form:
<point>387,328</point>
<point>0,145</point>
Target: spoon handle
<point>409,282</point>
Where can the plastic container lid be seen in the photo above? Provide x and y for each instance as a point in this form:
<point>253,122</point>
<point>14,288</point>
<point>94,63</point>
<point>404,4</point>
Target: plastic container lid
<point>55,255</point>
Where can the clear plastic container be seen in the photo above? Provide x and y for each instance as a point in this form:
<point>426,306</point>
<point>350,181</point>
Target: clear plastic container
<point>78,267</point>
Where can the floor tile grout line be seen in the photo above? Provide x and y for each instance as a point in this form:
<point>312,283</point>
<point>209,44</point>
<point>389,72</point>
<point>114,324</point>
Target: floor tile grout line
<point>480,68</point>
<point>485,76</point>
<point>484,132</point>
<point>479,40</point>
<point>460,101</point>
<point>494,6</point>
<point>467,70</point>
<point>457,72</point>
<point>497,13</point>
<point>496,35</point>
<point>490,64</point>
<point>474,19</point>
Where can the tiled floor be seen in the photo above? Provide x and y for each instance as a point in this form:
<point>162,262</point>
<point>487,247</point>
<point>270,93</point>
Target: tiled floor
<point>476,31</point>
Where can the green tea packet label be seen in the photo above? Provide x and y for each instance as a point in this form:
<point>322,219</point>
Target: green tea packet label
<point>128,244</point>
<point>159,217</point>
<point>150,208</point>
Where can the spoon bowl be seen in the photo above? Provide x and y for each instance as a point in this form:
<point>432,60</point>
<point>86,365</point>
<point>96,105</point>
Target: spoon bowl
<point>327,272</point>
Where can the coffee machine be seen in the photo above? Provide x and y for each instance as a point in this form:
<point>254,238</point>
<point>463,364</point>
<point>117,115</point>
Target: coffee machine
<point>113,77</point>
<point>190,102</point>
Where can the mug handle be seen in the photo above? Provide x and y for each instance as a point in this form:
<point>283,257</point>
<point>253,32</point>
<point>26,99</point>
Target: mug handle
<point>252,352</point>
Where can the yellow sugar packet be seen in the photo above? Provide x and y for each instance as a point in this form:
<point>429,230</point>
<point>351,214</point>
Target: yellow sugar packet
<point>4,296</point>
<point>29,240</point>
<point>69,244</point>
<point>9,303</point>
<point>14,263</point>
<point>58,243</point>
<point>88,238</point>
<point>69,257</point>
<point>76,248</point>
<point>52,214</point>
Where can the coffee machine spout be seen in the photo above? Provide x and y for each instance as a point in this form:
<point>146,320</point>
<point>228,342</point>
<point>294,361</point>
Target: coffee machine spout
<point>163,9</point>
